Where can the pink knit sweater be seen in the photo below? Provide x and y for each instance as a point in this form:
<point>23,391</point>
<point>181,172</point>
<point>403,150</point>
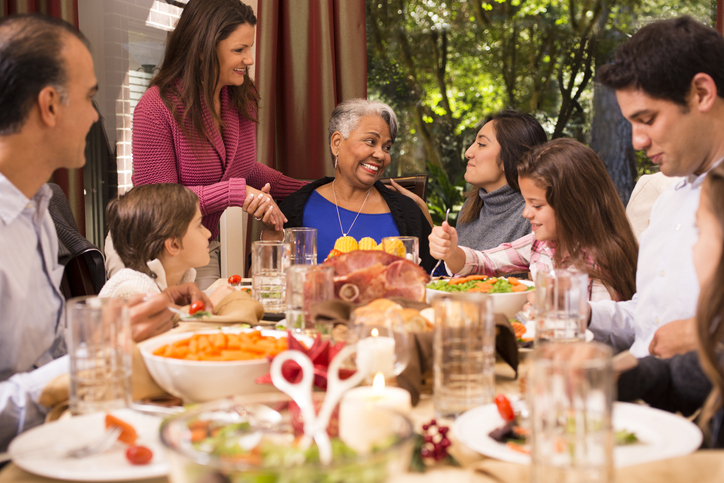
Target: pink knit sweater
<point>216,171</point>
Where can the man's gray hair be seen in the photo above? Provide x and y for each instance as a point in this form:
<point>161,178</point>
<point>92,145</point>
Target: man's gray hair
<point>346,116</point>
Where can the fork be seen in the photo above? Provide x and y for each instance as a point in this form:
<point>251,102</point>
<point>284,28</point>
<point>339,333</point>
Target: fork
<point>432,272</point>
<point>98,445</point>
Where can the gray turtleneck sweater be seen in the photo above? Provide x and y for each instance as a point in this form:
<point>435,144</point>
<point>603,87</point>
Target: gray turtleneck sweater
<point>500,221</point>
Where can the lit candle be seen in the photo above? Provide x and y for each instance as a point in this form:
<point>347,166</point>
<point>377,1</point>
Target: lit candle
<point>379,351</point>
<point>361,423</point>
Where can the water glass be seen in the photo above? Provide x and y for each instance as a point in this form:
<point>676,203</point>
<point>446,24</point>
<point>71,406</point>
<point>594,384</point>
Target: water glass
<point>464,353</point>
<point>561,305</point>
<point>307,285</point>
<point>570,396</point>
<point>402,246</point>
<point>303,243</point>
<point>98,337</point>
<point>269,262</point>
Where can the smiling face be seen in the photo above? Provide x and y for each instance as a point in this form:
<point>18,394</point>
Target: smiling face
<point>365,154</point>
<point>707,250</point>
<point>673,137</point>
<point>537,210</point>
<point>484,169</point>
<point>234,55</point>
<point>195,243</point>
<point>76,115</point>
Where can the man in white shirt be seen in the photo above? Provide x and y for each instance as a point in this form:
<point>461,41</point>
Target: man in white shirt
<point>46,87</point>
<point>669,82</point>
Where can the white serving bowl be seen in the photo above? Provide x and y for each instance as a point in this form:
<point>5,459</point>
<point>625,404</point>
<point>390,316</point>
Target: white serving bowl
<point>200,381</point>
<point>507,304</point>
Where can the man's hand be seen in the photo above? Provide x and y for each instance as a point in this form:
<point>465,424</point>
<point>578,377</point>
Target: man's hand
<point>150,316</point>
<point>677,337</point>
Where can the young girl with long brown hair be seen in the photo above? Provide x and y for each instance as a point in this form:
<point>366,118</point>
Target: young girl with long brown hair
<point>577,220</point>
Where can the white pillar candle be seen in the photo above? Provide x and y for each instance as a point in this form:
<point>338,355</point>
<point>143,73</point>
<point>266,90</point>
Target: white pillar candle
<point>362,424</point>
<point>379,351</point>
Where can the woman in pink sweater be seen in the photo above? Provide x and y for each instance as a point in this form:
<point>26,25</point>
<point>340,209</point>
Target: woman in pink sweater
<point>196,124</point>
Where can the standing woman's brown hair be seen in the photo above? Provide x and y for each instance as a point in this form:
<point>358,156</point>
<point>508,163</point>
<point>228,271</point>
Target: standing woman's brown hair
<point>591,221</point>
<point>710,311</point>
<point>141,220</point>
<point>190,69</point>
<point>516,133</point>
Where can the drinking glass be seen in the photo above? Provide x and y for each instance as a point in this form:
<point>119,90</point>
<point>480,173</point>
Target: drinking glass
<point>98,337</point>
<point>570,396</point>
<point>381,337</point>
<point>303,243</point>
<point>269,263</point>
<point>307,285</point>
<point>464,353</point>
<point>402,246</point>
<point>561,305</point>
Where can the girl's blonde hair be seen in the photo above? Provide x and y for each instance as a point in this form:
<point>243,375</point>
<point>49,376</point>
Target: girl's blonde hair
<point>593,233</point>
<point>141,220</point>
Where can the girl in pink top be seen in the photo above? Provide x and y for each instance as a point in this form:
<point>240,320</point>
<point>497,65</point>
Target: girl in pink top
<point>577,219</point>
<point>196,125</point>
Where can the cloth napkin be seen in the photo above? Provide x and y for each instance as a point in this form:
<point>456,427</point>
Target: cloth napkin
<point>414,378</point>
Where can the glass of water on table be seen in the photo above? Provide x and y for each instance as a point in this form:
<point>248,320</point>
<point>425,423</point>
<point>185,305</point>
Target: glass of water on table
<point>561,305</point>
<point>269,262</point>
<point>303,245</point>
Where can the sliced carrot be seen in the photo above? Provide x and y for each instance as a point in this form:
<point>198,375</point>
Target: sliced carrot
<point>224,347</point>
<point>128,433</point>
<point>513,281</point>
<point>517,447</point>
<point>518,288</point>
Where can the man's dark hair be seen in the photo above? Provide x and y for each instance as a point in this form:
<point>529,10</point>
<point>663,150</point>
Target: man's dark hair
<point>663,57</point>
<point>30,60</point>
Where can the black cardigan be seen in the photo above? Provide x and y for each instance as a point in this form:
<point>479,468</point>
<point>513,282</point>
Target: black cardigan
<point>409,219</point>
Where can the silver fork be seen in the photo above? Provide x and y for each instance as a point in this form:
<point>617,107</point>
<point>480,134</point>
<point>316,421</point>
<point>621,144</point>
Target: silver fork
<point>447,214</point>
<point>98,445</point>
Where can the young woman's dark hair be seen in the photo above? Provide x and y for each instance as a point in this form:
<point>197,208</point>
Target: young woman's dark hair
<point>663,57</point>
<point>30,59</point>
<point>190,68</point>
<point>516,133</point>
<point>596,229</point>
<point>141,220</point>
<point>710,312</point>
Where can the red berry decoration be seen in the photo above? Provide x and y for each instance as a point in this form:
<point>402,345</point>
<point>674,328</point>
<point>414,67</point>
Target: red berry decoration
<point>437,443</point>
<point>235,280</point>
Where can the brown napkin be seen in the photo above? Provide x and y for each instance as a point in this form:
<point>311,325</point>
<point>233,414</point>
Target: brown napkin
<point>337,312</point>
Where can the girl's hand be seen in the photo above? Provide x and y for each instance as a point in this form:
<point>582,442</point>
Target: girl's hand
<point>418,201</point>
<point>443,241</point>
<point>262,207</point>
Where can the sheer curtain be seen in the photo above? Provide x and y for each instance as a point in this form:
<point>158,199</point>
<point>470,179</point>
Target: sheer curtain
<point>311,55</point>
<point>71,181</point>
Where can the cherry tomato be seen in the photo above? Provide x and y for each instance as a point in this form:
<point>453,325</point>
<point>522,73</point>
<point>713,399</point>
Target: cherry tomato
<point>197,306</point>
<point>235,279</point>
<point>334,253</point>
<point>139,455</point>
<point>504,408</point>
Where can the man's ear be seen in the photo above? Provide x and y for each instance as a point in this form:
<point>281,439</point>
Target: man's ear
<point>172,246</point>
<point>48,105</point>
<point>704,91</point>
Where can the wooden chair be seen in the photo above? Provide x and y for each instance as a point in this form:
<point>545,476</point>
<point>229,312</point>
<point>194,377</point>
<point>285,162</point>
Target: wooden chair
<point>416,183</point>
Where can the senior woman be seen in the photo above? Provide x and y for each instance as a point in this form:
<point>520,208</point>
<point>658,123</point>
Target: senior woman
<point>355,202</point>
<point>196,125</point>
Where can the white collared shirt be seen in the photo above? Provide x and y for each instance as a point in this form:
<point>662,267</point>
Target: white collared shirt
<point>31,307</point>
<point>667,287</point>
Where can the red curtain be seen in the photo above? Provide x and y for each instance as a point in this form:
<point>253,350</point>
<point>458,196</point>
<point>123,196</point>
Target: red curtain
<point>311,55</point>
<point>70,180</point>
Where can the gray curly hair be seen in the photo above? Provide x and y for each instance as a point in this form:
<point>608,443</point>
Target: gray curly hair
<point>345,117</point>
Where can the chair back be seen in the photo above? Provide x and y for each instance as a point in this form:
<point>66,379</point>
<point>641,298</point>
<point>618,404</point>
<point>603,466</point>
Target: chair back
<point>416,183</point>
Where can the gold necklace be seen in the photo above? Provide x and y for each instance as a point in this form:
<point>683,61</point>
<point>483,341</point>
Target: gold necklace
<point>355,218</point>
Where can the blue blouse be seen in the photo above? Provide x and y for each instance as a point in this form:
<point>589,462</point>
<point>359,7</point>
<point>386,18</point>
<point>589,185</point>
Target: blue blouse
<point>321,214</point>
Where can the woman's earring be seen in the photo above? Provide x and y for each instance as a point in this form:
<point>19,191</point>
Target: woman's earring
<point>335,161</point>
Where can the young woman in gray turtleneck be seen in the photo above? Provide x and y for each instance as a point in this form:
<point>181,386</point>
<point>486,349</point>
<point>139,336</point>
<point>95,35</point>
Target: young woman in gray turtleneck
<point>492,213</point>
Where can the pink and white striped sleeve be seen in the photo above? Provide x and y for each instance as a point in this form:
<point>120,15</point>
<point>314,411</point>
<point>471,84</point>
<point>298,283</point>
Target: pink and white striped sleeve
<point>513,257</point>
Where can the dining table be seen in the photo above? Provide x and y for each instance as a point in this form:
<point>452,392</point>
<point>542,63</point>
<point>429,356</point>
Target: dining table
<point>702,466</point>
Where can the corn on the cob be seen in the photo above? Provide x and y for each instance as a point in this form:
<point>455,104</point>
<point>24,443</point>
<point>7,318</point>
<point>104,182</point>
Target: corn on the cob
<point>345,244</point>
<point>395,247</point>
<point>367,243</point>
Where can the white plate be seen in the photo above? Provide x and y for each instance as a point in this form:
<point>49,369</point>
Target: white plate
<point>662,435</point>
<point>110,465</point>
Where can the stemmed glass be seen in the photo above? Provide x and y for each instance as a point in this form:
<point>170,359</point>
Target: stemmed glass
<point>381,338</point>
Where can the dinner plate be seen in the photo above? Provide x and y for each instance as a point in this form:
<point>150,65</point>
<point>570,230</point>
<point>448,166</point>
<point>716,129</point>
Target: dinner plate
<point>27,453</point>
<point>662,435</point>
